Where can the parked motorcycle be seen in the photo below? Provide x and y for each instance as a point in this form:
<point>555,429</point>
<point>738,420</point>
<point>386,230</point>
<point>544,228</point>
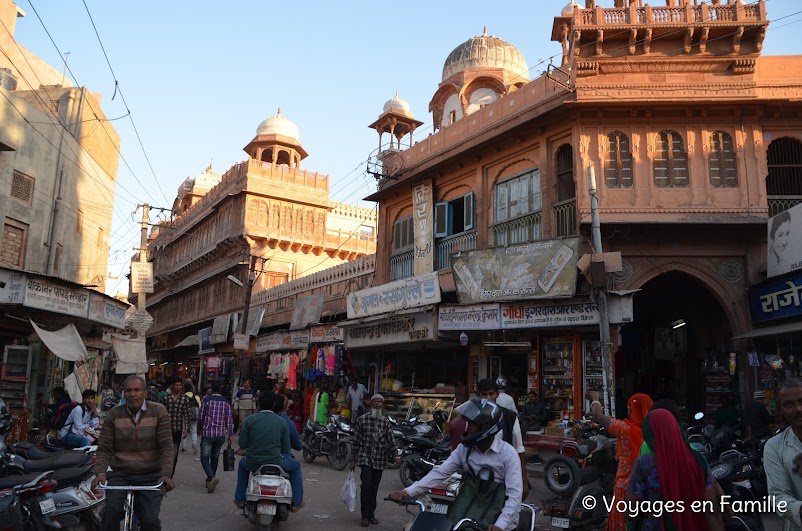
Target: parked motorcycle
<point>735,472</point>
<point>268,497</point>
<point>434,521</point>
<point>584,468</point>
<point>421,455</point>
<point>332,441</point>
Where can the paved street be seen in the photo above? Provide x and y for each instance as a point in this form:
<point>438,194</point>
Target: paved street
<point>189,506</point>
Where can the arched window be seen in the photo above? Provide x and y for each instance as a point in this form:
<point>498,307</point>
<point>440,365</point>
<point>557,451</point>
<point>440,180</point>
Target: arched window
<point>784,181</point>
<point>722,164</point>
<point>618,161</point>
<point>670,161</point>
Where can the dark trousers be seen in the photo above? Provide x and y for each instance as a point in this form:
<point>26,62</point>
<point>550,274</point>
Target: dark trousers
<point>370,478</point>
<point>210,453</point>
<point>146,503</point>
<point>176,446</point>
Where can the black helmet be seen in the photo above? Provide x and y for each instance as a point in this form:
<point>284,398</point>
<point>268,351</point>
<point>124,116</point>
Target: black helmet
<point>501,382</point>
<point>483,412</point>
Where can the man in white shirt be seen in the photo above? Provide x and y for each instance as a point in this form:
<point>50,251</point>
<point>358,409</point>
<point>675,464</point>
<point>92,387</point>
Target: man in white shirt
<point>82,417</point>
<point>356,393</point>
<point>782,457</point>
<point>479,453</point>
<point>505,400</point>
<point>510,428</point>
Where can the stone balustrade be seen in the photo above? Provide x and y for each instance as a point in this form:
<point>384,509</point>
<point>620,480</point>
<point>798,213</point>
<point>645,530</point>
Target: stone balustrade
<point>600,17</point>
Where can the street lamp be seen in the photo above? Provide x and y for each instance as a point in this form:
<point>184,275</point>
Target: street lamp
<point>235,280</point>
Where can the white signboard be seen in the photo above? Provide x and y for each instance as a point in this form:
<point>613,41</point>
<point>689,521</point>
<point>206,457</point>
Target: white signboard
<point>407,329</point>
<point>286,340</point>
<point>141,277</point>
<point>423,227</point>
<point>785,241</point>
<point>412,292</point>
<point>47,295</point>
<point>307,311</point>
<point>12,287</point>
<point>576,312</point>
<point>479,317</point>
<point>108,312</point>
<point>242,341</point>
<point>325,334</point>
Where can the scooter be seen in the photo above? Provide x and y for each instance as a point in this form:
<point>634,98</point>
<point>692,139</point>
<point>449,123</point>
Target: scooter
<point>433,521</point>
<point>268,497</point>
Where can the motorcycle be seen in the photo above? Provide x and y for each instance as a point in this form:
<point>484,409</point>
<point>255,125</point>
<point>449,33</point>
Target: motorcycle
<point>584,469</point>
<point>434,521</point>
<point>332,441</point>
<point>414,427</point>
<point>420,456</point>
<point>268,497</point>
<point>735,472</point>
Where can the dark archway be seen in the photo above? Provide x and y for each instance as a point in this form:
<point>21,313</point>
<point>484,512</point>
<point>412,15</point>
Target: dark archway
<point>659,354</point>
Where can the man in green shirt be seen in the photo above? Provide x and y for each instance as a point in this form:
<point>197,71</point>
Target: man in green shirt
<point>265,438</point>
<point>322,411</point>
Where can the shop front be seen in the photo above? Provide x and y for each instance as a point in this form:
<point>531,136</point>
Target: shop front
<point>285,357</point>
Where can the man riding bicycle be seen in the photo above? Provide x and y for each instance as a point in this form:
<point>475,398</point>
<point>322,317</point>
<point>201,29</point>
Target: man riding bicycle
<point>491,486</point>
<point>136,441</point>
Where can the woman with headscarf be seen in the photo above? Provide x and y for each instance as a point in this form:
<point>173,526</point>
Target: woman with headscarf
<point>629,439</point>
<point>672,472</point>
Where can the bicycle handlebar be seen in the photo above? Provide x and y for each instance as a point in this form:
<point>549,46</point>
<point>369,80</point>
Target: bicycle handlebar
<point>106,486</point>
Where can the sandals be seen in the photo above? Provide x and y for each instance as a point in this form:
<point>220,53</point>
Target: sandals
<point>298,507</point>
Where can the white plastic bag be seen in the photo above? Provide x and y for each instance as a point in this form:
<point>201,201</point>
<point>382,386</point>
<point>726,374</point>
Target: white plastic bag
<point>348,492</point>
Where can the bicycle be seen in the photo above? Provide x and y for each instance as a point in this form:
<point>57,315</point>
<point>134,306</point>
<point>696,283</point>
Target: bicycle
<point>129,522</point>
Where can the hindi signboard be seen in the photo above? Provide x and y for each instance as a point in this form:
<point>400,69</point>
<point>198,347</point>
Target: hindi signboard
<point>412,292</point>
<point>325,334</point>
<point>776,298</point>
<point>284,340</point>
<point>406,329</point>
<point>46,295</point>
<point>477,317</point>
<point>423,227</point>
<point>538,270</point>
<point>785,242</point>
<point>574,312</point>
<point>141,277</point>
<point>12,287</point>
<point>107,311</point>
<point>242,341</point>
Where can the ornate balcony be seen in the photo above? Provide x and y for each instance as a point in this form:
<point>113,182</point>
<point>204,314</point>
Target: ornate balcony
<point>518,230</point>
<point>402,265</point>
<point>464,241</point>
<point>565,217</point>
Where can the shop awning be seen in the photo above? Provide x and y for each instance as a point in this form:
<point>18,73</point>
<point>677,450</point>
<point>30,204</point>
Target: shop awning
<point>65,343</point>
<point>786,328</point>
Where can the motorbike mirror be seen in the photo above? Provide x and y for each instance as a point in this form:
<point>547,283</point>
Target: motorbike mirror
<point>699,416</point>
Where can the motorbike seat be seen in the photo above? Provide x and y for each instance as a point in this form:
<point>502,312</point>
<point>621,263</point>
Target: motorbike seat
<point>66,460</point>
<point>317,427</point>
<point>37,453</point>
<point>586,446</point>
<point>272,470</point>
<point>68,477</point>
<point>423,442</point>
<point>11,481</point>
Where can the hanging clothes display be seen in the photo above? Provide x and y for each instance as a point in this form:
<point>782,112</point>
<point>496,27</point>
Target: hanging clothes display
<point>331,358</point>
<point>292,375</point>
<point>284,370</point>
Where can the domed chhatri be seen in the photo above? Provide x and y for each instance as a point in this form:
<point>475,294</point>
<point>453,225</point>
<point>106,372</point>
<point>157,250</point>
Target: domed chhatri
<point>485,51</point>
<point>396,103</point>
<point>568,10</point>
<point>278,125</point>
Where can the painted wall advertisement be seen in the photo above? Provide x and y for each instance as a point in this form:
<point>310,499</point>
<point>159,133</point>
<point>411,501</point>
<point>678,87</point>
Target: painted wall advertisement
<point>418,327</point>
<point>285,340</point>
<point>307,311</point>
<point>45,295</point>
<point>412,292</point>
<point>785,241</point>
<point>423,227</point>
<point>12,287</point>
<point>545,269</point>
<point>776,298</point>
<point>478,317</point>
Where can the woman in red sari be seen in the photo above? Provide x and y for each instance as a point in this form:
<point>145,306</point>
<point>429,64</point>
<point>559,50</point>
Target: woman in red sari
<point>629,438</point>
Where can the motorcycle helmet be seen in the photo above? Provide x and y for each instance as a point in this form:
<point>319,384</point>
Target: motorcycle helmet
<point>483,412</point>
<point>501,383</point>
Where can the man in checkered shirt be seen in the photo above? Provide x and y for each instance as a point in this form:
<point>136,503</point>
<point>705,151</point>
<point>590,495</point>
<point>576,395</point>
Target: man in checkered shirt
<point>373,447</point>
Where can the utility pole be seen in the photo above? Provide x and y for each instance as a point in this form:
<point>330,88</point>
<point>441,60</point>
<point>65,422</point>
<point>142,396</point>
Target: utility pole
<point>601,300</point>
<point>143,252</point>
<point>244,326</point>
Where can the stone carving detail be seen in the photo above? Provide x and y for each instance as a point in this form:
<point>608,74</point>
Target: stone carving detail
<point>731,271</point>
<point>626,273</point>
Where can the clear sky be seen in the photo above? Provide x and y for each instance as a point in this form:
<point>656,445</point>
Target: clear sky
<point>199,77</point>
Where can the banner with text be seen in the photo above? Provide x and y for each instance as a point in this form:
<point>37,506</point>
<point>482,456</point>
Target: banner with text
<point>105,311</point>
<point>285,340</point>
<point>538,270</point>
<point>325,334</point>
<point>417,327</point>
<point>785,241</point>
<point>12,287</point>
<point>46,295</point>
<point>479,317</point>
<point>776,298</point>
<point>412,292</point>
<point>423,227</point>
<point>141,277</point>
<point>577,312</point>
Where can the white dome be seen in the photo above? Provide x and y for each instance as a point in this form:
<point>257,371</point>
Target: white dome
<point>485,51</point>
<point>396,103</point>
<point>568,10</point>
<point>278,125</point>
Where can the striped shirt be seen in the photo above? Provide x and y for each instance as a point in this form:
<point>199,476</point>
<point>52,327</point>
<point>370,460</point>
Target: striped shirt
<point>216,417</point>
<point>178,410</point>
<point>373,441</point>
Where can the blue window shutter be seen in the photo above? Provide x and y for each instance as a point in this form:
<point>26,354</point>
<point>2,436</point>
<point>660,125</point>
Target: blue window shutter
<point>441,220</point>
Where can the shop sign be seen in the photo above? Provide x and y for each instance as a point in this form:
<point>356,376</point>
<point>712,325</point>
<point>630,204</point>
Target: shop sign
<point>46,295</point>
<point>412,328</point>
<point>548,315</point>
<point>423,226</point>
<point>242,341</point>
<point>785,242</point>
<point>108,312</point>
<point>325,334</point>
<point>141,277</point>
<point>12,287</point>
<point>776,298</point>
<point>540,270</point>
<point>307,311</point>
<point>205,345</point>
<point>287,340</point>
<point>412,292</point>
<point>479,317</point>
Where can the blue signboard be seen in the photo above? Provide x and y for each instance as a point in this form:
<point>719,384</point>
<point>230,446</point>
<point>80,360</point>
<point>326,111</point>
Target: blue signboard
<point>205,345</point>
<point>776,298</point>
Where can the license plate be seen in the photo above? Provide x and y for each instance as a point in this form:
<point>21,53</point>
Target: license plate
<point>265,508</point>
<point>563,523</point>
<point>439,508</point>
<point>47,506</point>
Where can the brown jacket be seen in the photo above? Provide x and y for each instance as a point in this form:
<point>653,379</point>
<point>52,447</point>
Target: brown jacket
<point>134,449</point>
